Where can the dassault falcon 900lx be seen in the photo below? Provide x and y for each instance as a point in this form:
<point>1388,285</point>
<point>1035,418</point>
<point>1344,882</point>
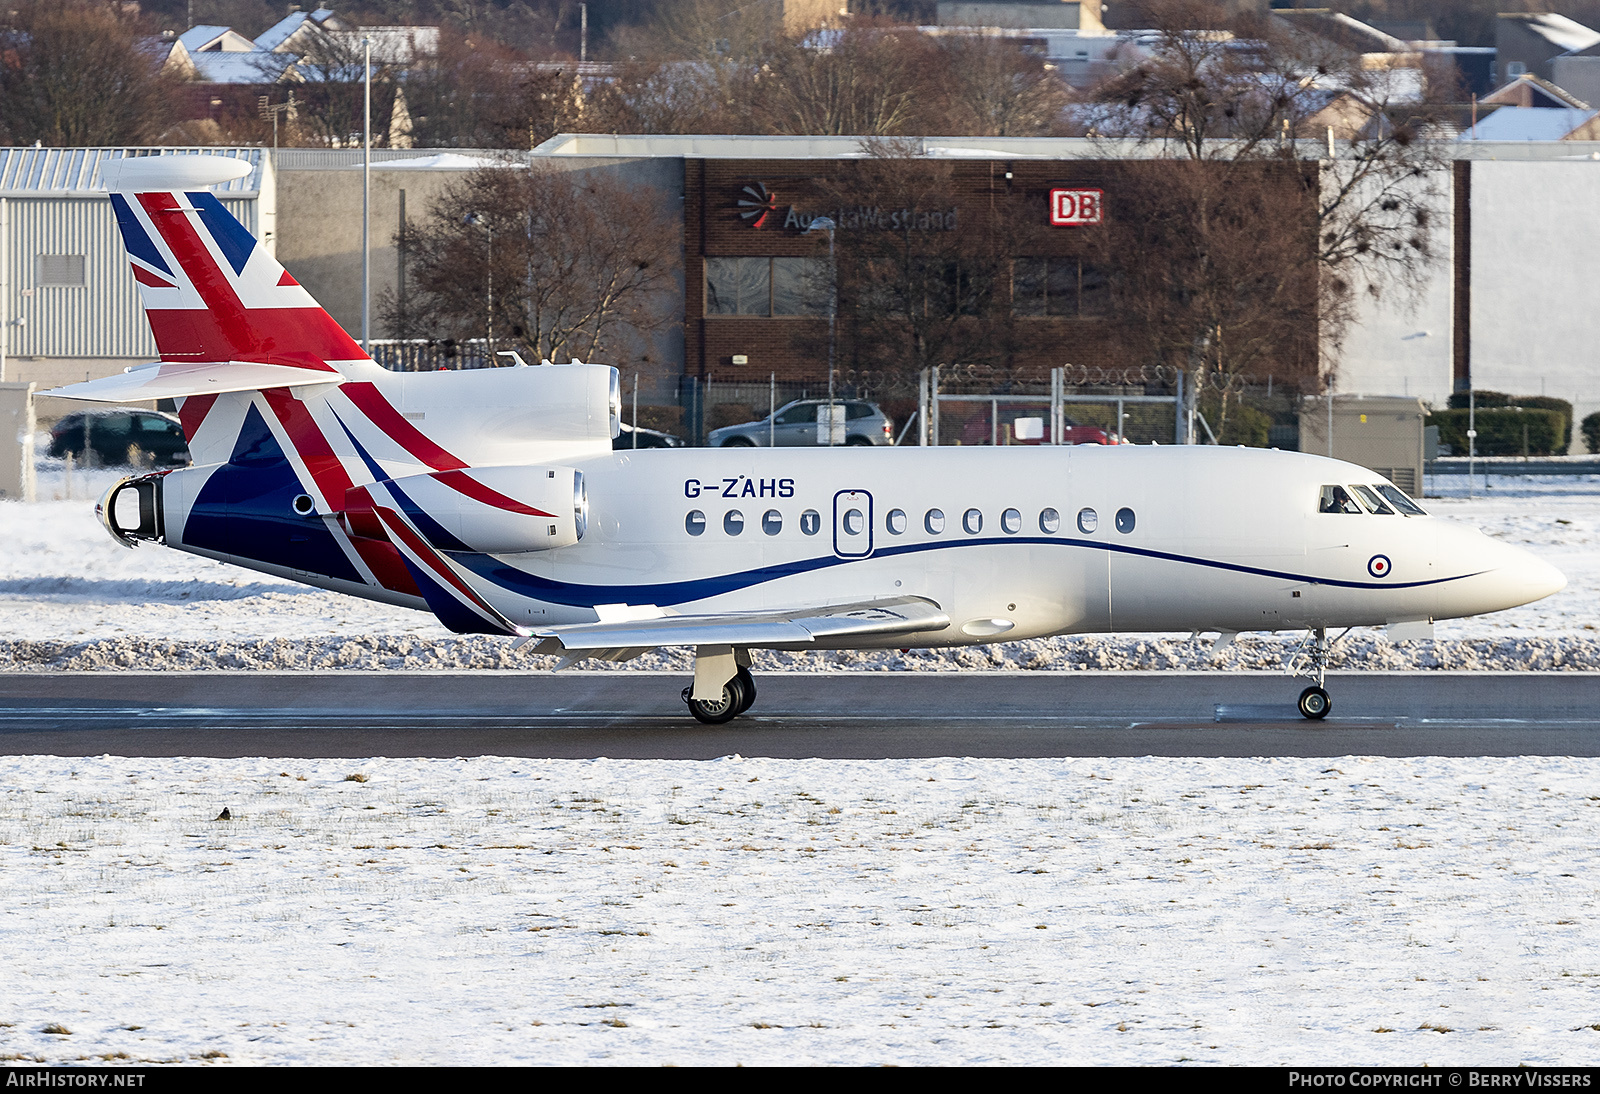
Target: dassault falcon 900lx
<point>494,499</point>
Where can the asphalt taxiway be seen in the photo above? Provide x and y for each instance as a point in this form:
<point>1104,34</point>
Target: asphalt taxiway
<point>845,715</point>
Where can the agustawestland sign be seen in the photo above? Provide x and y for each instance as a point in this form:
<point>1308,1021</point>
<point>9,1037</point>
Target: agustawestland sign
<point>1070,208</point>
<point>759,207</point>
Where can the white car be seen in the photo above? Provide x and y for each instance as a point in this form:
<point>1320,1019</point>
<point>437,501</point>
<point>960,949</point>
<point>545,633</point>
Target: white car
<point>795,424</point>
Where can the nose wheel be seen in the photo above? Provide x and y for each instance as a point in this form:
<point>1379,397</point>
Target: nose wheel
<point>1312,661</point>
<point>1314,703</point>
<point>737,695</point>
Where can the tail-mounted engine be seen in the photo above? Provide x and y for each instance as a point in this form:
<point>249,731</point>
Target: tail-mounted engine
<point>132,510</point>
<point>487,510</point>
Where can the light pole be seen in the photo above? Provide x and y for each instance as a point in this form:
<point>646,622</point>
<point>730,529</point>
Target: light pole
<point>826,224</point>
<point>366,195</point>
<point>482,221</point>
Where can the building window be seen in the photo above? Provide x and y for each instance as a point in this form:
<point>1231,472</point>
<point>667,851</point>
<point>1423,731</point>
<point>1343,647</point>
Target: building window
<point>1067,288</point>
<point>61,270</point>
<point>766,286</point>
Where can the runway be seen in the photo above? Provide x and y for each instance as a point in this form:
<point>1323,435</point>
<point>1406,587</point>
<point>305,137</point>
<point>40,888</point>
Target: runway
<point>846,715</point>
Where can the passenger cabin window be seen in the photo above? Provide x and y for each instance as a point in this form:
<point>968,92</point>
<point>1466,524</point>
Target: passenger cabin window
<point>1011,521</point>
<point>733,522</point>
<point>695,522</point>
<point>1335,500</point>
<point>810,522</point>
<point>934,521</point>
<point>1088,521</point>
<point>896,521</point>
<point>972,521</point>
<point>1370,498</point>
<point>772,522</point>
<point>1049,522</point>
<point>1398,497</point>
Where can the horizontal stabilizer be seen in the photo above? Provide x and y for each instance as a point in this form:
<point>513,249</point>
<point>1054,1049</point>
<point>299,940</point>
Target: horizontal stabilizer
<point>798,627</point>
<point>171,172</point>
<point>181,379</point>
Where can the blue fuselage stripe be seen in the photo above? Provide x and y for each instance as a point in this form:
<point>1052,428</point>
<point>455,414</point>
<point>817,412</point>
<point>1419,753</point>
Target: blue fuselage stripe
<point>681,592</point>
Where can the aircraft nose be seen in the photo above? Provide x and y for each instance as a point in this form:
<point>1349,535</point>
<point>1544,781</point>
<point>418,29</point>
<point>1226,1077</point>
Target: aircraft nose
<point>1538,579</point>
<point>1497,575</point>
<point>1520,577</point>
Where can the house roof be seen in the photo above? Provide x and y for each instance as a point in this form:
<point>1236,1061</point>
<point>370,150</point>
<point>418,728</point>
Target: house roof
<point>1340,28</point>
<point>1523,123</point>
<point>1563,33</point>
<point>259,66</point>
<point>1529,90</point>
<point>214,39</point>
<point>280,32</point>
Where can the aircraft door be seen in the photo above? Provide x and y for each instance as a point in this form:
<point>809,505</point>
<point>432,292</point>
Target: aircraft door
<point>852,524</point>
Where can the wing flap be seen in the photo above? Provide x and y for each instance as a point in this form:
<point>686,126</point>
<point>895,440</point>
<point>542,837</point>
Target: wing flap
<point>181,379</point>
<point>797,627</point>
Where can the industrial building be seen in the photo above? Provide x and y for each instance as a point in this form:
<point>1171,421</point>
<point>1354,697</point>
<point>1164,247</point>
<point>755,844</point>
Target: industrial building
<point>1504,305</point>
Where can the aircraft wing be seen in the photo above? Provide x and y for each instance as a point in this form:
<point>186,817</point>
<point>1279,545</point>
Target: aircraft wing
<point>180,379</point>
<point>794,627</point>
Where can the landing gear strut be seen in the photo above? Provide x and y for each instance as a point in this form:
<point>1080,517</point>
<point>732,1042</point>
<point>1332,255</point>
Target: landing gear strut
<point>1314,702</point>
<point>736,693</point>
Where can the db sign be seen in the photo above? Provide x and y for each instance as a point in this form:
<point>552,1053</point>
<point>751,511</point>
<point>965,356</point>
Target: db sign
<point>1070,207</point>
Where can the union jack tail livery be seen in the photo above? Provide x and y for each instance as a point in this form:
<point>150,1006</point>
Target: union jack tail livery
<point>468,494</point>
<point>310,460</point>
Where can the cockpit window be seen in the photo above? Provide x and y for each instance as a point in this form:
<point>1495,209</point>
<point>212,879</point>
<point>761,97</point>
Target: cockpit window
<point>1372,501</point>
<point>1401,502</point>
<point>1335,500</point>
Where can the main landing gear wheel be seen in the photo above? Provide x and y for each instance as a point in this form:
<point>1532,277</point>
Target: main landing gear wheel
<point>735,700</point>
<point>748,683</point>
<point>1315,704</point>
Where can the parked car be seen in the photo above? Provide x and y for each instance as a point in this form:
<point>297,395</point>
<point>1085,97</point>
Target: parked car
<point>977,429</point>
<point>119,436</point>
<point>647,438</point>
<point>795,424</point>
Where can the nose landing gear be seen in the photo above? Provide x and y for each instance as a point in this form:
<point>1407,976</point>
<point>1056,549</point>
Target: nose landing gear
<point>1315,704</point>
<point>1311,661</point>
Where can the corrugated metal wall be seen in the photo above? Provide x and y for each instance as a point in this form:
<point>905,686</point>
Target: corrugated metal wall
<point>101,318</point>
<point>55,206</point>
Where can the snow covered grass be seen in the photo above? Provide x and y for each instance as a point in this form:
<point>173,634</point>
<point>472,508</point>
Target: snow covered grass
<point>1387,911</point>
<point>71,598</point>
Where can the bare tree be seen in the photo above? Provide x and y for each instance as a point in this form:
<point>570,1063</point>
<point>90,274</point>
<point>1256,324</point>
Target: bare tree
<point>869,81</point>
<point>330,93</point>
<point>706,31</point>
<point>551,263</point>
<point>917,284</point>
<point>75,72</point>
<point>478,94</point>
<point>1254,224</point>
<point>992,88</point>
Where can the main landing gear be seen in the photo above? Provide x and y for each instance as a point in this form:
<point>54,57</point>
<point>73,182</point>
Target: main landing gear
<point>714,703</point>
<point>1311,661</point>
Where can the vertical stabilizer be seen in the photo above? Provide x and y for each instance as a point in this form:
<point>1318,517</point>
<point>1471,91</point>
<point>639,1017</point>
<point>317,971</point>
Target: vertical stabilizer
<point>210,290</point>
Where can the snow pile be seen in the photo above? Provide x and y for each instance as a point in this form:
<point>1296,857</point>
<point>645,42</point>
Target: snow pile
<point>1136,911</point>
<point>71,598</point>
<point>1095,653</point>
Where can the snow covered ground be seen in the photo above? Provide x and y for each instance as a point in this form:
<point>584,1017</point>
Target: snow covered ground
<point>1152,911</point>
<point>489,910</point>
<point>71,598</point>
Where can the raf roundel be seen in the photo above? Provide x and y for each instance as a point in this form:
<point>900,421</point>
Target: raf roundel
<point>1379,566</point>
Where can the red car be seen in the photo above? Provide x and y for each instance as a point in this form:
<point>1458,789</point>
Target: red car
<point>978,429</point>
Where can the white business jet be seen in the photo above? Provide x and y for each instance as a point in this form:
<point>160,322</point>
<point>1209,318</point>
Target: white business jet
<point>494,499</point>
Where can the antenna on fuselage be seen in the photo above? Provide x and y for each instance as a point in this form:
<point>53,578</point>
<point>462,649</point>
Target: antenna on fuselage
<point>513,354</point>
